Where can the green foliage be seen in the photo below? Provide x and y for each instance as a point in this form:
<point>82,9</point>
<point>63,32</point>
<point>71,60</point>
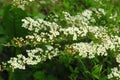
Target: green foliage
<point>1,78</point>
<point>40,75</point>
<point>96,71</point>
<point>64,66</point>
<point>23,75</point>
<point>2,38</point>
<point>12,22</point>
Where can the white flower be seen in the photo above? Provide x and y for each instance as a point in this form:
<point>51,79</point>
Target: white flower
<point>87,13</point>
<point>21,3</point>
<point>102,10</point>
<point>31,0</point>
<point>118,58</point>
<point>49,47</point>
<point>16,63</point>
<point>115,74</point>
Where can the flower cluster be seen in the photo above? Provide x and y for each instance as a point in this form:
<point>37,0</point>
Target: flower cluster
<point>21,3</point>
<point>77,34</point>
<point>40,24</point>
<point>88,49</point>
<point>34,56</point>
<point>115,74</point>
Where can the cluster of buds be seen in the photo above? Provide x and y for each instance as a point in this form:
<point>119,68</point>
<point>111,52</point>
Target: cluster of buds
<point>21,3</point>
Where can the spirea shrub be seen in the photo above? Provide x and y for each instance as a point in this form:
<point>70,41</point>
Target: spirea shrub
<point>86,43</point>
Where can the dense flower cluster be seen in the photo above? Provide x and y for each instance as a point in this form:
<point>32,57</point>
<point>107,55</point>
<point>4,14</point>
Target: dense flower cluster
<point>34,56</point>
<point>21,3</point>
<point>87,40</point>
<point>115,74</point>
<point>88,49</point>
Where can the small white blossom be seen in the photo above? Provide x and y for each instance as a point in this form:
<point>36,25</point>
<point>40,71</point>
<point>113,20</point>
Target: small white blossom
<point>102,11</point>
<point>21,3</point>
<point>118,58</point>
<point>87,13</point>
<point>114,74</point>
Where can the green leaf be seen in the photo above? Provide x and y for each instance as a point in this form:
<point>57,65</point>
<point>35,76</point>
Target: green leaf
<point>3,38</point>
<point>50,77</point>
<point>1,31</point>
<point>21,75</point>
<point>1,12</point>
<point>96,71</point>
<point>40,15</point>
<point>40,75</point>
<point>1,78</point>
<point>12,22</point>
